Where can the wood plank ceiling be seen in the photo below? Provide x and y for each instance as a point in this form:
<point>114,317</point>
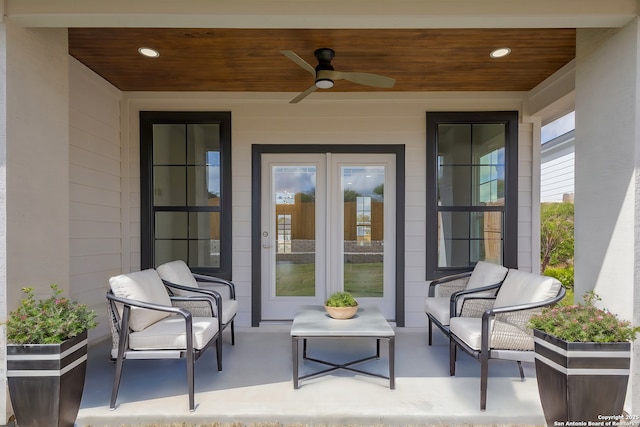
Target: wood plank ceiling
<point>250,59</point>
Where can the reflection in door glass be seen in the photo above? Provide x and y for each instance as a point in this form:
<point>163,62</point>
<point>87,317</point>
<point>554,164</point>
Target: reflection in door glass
<point>294,190</point>
<point>363,190</point>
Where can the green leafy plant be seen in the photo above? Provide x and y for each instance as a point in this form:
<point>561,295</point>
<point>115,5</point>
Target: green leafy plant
<point>48,321</point>
<point>556,234</point>
<point>584,323</point>
<point>563,274</point>
<point>341,299</point>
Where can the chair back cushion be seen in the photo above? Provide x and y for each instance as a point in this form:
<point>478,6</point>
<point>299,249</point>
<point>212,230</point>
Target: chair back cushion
<point>177,272</point>
<point>485,274</point>
<point>520,287</point>
<point>144,286</point>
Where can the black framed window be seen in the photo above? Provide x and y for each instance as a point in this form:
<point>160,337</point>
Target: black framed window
<point>472,190</point>
<point>185,187</point>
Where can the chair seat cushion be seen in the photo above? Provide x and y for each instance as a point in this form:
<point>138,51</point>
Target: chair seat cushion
<point>143,286</point>
<point>170,334</point>
<point>468,329</point>
<point>229,309</point>
<point>504,335</point>
<point>438,308</point>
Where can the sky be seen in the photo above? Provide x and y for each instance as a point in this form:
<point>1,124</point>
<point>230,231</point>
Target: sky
<point>558,127</point>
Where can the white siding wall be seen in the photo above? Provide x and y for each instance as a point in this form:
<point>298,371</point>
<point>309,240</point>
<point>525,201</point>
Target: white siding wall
<point>37,160</point>
<point>557,168</point>
<point>94,183</point>
<point>37,172</point>
<point>557,178</point>
<point>329,119</point>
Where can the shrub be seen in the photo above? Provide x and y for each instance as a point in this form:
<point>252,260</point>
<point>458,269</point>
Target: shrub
<point>584,323</point>
<point>563,274</point>
<point>556,234</point>
<point>49,321</point>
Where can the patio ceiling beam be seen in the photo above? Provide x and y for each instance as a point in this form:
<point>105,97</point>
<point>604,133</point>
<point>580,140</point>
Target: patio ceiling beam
<point>322,13</point>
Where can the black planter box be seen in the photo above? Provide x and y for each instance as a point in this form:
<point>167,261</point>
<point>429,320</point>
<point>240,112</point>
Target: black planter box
<point>46,381</point>
<point>580,381</point>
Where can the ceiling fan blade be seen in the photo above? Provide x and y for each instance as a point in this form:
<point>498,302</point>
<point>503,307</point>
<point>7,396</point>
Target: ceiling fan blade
<point>303,95</point>
<point>301,62</point>
<point>367,79</point>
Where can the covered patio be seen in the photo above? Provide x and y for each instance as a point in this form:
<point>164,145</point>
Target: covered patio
<point>71,180</point>
<point>256,386</point>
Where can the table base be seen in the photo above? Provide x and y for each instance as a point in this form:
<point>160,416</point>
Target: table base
<point>346,366</point>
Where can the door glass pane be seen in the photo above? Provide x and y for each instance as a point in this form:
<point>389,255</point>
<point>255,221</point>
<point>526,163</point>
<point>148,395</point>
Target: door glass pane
<point>363,196</point>
<point>294,190</point>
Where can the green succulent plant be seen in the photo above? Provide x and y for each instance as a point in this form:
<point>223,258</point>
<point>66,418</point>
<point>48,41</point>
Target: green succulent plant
<point>341,299</point>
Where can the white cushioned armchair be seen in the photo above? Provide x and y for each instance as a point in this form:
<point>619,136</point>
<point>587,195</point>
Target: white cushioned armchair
<point>146,325</point>
<point>502,332</point>
<point>485,279</point>
<point>180,280</point>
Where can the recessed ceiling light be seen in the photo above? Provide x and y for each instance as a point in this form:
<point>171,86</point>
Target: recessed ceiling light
<point>148,52</point>
<point>500,52</point>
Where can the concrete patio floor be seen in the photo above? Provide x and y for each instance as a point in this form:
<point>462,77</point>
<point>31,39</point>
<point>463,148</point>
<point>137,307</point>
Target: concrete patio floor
<point>256,386</point>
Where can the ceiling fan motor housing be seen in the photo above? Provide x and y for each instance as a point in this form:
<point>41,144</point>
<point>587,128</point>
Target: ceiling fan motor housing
<point>324,56</point>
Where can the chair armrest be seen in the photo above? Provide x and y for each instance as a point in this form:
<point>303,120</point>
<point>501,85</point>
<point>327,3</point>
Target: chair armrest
<point>212,297</point>
<point>148,305</point>
<point>128,303</point>
<point>207,292</point>
<point>217,281</point>
<point>506,309</point>
<point>453,301</point>
<point>487,315</point>
<point>447,279</point>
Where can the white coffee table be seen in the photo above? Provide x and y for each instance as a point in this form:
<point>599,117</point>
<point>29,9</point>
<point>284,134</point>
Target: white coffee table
<point>313,322</point>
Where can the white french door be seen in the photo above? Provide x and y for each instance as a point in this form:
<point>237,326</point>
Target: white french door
<point>328,224</point>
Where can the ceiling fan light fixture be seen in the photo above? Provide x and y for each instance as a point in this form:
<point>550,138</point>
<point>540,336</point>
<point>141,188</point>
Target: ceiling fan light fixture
<point>500,52</point>
<point>324,83</point>
<point>148,52</point>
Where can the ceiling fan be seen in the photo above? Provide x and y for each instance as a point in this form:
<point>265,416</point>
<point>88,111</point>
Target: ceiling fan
<point>325,74</point>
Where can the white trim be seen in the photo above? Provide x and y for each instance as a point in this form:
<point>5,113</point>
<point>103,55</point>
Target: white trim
<point>46,372</point>
<point>583,353</point>
<point>579,371</point>
<point>57,356</point>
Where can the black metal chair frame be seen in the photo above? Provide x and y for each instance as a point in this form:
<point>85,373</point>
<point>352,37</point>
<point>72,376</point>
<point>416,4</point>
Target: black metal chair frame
<point>452,304</point>
<point>485,353</point>
<point>190,353</point>
<point>215,294</point>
